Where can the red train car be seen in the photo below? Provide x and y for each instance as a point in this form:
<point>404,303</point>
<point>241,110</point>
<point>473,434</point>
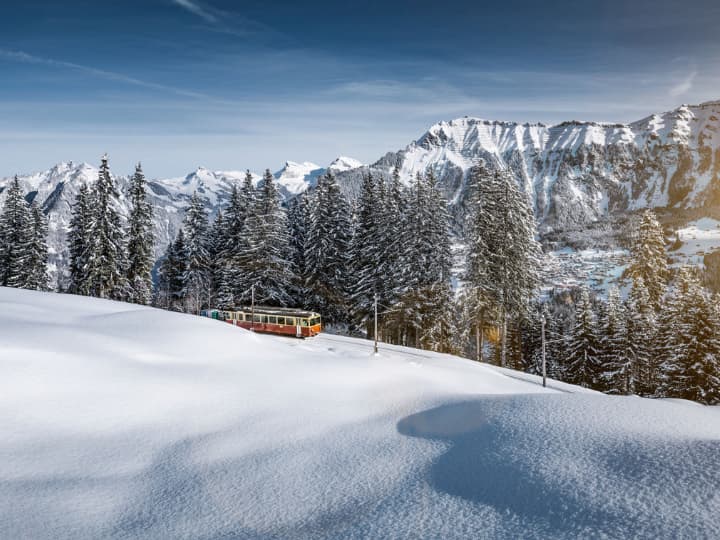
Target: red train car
<point>271,320</point>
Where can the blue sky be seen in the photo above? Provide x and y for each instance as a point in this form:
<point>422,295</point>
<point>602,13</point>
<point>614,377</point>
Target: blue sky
<point>250,84</point>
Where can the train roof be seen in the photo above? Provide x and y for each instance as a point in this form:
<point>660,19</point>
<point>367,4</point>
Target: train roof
<point>268,310</point>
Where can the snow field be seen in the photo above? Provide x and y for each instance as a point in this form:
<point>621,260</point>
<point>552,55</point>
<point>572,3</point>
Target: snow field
<point>129,422</point>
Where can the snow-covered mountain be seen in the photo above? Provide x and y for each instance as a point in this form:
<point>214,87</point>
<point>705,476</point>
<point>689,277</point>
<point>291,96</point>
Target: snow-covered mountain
<point>56,189</point>
<point>575,172</point>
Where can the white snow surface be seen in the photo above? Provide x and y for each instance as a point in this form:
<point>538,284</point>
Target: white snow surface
<point>344,163</point>
<point>698,238</point>
<point>121,421</point>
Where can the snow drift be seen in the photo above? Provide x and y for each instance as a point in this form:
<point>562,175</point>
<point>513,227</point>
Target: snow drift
<point>124,421</point>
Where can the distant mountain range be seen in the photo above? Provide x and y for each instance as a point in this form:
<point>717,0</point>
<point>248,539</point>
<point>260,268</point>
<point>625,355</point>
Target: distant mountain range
<point>575,172</point>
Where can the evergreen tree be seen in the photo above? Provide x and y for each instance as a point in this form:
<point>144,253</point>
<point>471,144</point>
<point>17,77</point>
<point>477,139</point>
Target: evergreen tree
<point>15,237</point>
<point>140,258</point>
<point>170,275</point>
<point>639,339</point>
<point>367,258</point>
<point>106,261</point>
<point>326,251</point>
<point>300,212</point>
<point>215,247</point>
<point>197,275</point>
<point>613,376</point>
<point>266,251</point>
<point>648,258</point>
<point>80,241</point>
<point>502,261</point>
<point>36,264</point>
<point>582,354</point>
<point>396,248</point>
<point>691,348</point>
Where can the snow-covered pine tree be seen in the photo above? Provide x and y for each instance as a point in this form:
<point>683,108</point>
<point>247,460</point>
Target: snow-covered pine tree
<point>649,260</point>
<point>36,264</point>
<point>699,378</point>
<point>367,261</point>
<point>690,349</point>
<point>106,256</point>
<point>327,247</point>
<point>502,261</point>
<point>583,356</point>
<point>438,232</point>
<point>397,234</point>
<point>613,375</point>
<point>215,244</point>
<point>196,278</point>
<point>79,241</point>
<point>170,275</point>
<point>242,219</point>
<point>265,260</point>
<point>141,242</point>
<point>639,339</point>
<point>300,212</point>
<point>15,237</point>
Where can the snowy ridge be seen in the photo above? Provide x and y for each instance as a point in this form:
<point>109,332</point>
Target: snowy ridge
<point>575,172</point>
<point>126,421</point>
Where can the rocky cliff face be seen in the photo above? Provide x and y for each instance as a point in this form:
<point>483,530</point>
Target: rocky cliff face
<point>574,172</point>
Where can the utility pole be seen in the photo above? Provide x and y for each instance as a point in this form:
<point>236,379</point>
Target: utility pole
<point>544,365</point>
<point>376,325</point>
<point>252,307</point>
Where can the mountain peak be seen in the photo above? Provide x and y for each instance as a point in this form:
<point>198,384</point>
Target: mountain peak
<point>344,163</point>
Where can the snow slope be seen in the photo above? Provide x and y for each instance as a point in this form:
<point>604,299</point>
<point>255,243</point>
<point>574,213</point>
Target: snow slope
<point>127,422</point>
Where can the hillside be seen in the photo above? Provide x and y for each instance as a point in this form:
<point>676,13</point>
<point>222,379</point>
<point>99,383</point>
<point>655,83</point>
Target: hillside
<point>125,421</point>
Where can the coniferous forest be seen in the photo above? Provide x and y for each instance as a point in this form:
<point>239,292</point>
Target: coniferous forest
<point>657,337</point>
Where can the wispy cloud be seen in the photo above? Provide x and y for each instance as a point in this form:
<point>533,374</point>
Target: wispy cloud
<point>197,9</point>
<point>683,86</point>
<point>20,56</point>
<point>224,22</point>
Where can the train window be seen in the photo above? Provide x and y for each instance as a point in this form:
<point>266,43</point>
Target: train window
<point>257,318</point>
<point>272,319</point>
<point>303,322</point>
<point>290,321</point>
<point>281,320</point>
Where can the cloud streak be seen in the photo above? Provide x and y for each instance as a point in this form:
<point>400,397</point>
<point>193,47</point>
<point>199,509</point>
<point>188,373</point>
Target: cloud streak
<point>20,56</point>
<point>197,9</point>
<point>683,86</point>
